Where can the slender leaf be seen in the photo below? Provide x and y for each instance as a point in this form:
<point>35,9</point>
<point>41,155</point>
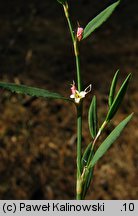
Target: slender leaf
<point>92,117</point>
<point>113,88</point>
<point>32,91</point>
<point>89,177</point>
<point>62,1</point>
<point>86,154</point>
<point>109,141</point>
<point>99,19</point>
<point>87,182</point>
<point>118,99</point>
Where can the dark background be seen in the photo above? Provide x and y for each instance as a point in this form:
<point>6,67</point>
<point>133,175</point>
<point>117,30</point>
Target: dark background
<point>37,137</point>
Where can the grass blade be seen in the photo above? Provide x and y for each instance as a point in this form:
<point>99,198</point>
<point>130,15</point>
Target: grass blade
<point>113,88</point>
<point>99,19</point>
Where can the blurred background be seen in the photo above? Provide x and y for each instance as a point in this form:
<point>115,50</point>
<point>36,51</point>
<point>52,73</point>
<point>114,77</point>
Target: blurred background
<point>37,137</point>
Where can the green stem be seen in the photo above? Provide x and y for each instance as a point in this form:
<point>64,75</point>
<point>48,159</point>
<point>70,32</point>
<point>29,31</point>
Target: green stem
<point>79,153</point>
<point>69,22</point>
<point>79,139</point>
<point>77,57</point>
<point>79,107</point>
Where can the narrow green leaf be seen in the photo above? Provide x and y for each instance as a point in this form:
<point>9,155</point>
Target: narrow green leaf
<point>86,154</point>
<point>89,177</point>
<point>87,182</point>
<point>92,117</point>
<point>113,88</point>
<point>109,141</point>
<point>118,99</point>
<point>32,91</point>
<point>62,1</point>
<point>99,19</point>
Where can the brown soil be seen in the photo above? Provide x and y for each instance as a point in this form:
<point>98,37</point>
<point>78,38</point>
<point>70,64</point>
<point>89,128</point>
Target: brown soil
<point>37,137</point>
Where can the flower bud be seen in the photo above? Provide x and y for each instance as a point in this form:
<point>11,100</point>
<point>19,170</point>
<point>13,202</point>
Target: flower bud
<point>73,88</point>
<point>79,33</point>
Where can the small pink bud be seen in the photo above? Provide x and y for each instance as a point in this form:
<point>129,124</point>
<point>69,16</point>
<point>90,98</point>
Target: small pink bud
<point>73,88</point>
<point>79,33</point>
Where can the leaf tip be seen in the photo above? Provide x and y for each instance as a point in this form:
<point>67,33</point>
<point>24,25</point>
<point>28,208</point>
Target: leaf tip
<point>131,115</point>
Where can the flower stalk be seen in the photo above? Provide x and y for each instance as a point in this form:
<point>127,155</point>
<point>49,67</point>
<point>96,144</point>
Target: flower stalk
<point>79,106</point>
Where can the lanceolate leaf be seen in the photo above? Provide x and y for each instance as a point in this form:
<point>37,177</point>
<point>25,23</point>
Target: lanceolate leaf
<point>32,91</point>
<point>99,20</point>
<point>118,99</point>
<point>109,141</point>
<point>113,88</point>
<point>92,117</point>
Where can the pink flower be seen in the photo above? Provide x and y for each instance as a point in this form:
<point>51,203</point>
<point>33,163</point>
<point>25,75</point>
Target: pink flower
<point>76,95</point>
<point>79,33</point>
<point>73,88</point>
